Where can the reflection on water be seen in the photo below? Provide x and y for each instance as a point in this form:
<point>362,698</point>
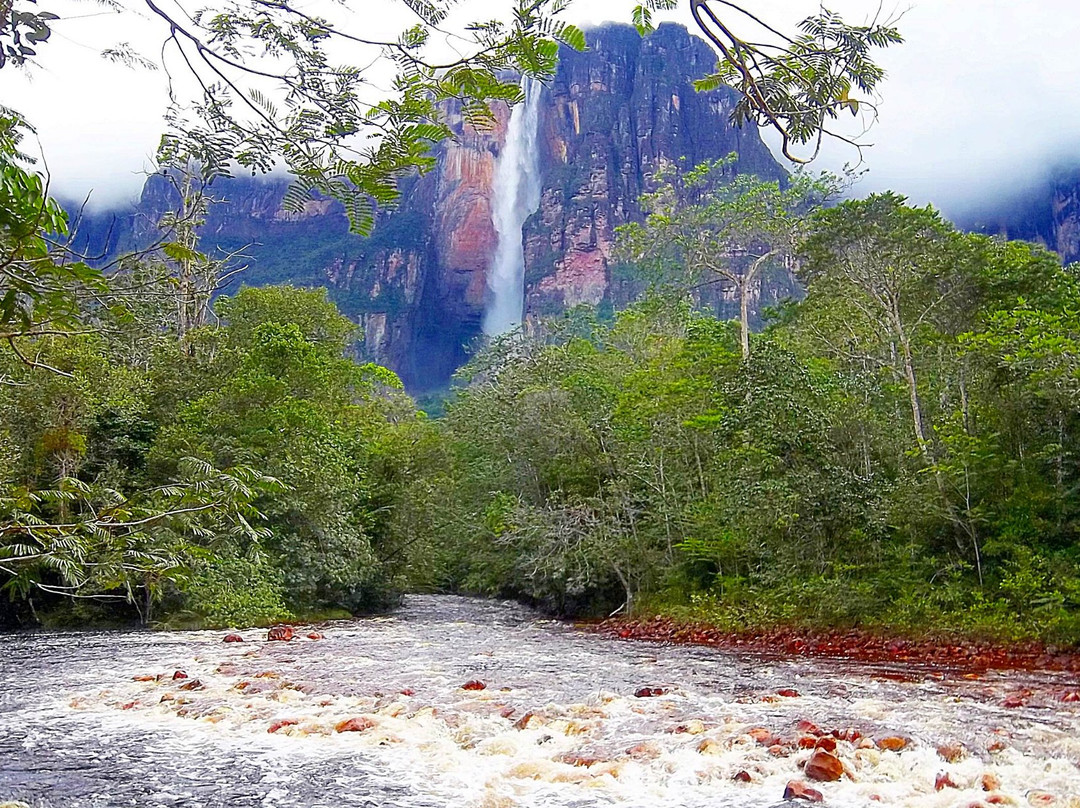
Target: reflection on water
<point>557,724</point>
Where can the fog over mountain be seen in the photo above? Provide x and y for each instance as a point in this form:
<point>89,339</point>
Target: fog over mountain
<point>980,102</point>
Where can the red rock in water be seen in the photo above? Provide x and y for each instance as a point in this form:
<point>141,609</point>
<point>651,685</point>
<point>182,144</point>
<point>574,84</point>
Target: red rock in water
<point>851,735</point>
<point>826,743</point>
<point>355,725</point>
<point>1041,798</point>
<point>647,692</point>
<point>506,712</point>
<point>990,782</point>
<point>892,743</point>
<point>179,675</point>
<point>809,727</point>
<point>144,678</point>
<point>1015,700</point>
<point>1071,695</point>
<point>798,790</point>
<point>314,635</point>
<point>194,684</point>
<point>523,722</point>
<point>788,692</point>
<point>280,634</point>
<point>779,750</point>
<point>1000,799</point>
<point>130,705</point>
<point>824,766</point>
<point>474,684</point>
<point>952,752</point>
<point>762,736</point>
<point>806,742</point>
<point>282,722</point>
<point>944,780</point>
<point>578,760</point>
<point>743,777</point>
<point>233,638</point>
<point>995,745</point>
<point>407,692</point>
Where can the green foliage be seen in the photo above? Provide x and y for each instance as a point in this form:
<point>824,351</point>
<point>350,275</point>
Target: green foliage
<point>38,294</point>
<point>897,451</point>
<point>799,83</point>
<point>230,590</point>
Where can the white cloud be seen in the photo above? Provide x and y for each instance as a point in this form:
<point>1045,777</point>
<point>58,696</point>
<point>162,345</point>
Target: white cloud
<point>980,99</point>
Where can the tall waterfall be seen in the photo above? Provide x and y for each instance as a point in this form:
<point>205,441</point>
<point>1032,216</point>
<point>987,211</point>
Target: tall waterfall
<point>516,196</point>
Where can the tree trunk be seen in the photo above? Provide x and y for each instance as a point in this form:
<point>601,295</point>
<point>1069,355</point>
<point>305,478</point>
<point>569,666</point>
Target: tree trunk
<point>744,317</point>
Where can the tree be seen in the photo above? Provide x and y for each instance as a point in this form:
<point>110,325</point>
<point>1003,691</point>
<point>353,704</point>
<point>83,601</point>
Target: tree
<point>798,83</point>
<point>705,226</point>
<point>892,270</point>
<point>39,295</point>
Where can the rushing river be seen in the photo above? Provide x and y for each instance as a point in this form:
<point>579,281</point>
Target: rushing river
<point>558,723</point>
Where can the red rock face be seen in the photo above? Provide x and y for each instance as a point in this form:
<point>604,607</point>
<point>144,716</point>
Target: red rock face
<point>465,237</point>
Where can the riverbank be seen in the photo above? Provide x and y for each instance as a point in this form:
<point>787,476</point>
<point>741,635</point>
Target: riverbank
<point>944,652</point>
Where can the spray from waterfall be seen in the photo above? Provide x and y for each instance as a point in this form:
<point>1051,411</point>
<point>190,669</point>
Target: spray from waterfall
<point>516,196</point>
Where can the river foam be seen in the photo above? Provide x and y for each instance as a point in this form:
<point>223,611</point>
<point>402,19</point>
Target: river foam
<point>557,723</point>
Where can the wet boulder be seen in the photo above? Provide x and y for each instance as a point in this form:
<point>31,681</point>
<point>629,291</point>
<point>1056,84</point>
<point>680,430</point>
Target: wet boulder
<point>824,766</point>
<point>892,743</point>
<point>763,736</point>
<point>179,675</point>
<point>474,684</point>
<point>798,790</point>
<point>1041,798</point>
<point>528,720</point>
<point>648,692</point>
<point>944,780</point>
<point>359,724</point>
<point>695,726</point>
<point>233,638</point>
<point>742,777</point>
<point>952,752</point>
<point>280,634</point>
<point>281,723</point>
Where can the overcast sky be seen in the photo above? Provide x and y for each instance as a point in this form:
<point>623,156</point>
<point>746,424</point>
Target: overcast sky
<point>981,100</point>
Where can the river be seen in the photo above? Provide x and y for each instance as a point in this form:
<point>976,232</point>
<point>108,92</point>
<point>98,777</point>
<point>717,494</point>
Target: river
<point>557,724</point>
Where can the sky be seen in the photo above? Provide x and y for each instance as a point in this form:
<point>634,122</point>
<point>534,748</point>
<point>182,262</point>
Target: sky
<point>980,103</point>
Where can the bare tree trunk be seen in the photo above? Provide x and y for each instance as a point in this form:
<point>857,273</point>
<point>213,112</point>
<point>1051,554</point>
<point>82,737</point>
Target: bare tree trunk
<point>744,317</point>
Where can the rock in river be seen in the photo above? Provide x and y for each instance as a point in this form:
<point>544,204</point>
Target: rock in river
<point>824,766</point>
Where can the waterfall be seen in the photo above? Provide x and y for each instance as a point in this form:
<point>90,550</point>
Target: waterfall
<point>516,196</point>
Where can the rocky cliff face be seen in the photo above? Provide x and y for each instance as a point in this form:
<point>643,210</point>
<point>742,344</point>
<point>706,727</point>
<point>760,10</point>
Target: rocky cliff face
<point>1048,214</point>
<point>609,118</point>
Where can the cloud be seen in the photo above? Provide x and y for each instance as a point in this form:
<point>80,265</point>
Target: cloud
<point>980,102</point>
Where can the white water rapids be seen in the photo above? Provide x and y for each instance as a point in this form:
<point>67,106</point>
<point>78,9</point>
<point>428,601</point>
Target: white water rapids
<point>516,197</point>
<point>79,730</point>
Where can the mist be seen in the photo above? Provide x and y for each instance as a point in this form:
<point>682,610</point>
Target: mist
<point>979,106</point>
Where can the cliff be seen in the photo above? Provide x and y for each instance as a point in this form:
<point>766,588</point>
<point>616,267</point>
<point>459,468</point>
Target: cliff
<point>1048,214</point>
<point>609,117</point>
